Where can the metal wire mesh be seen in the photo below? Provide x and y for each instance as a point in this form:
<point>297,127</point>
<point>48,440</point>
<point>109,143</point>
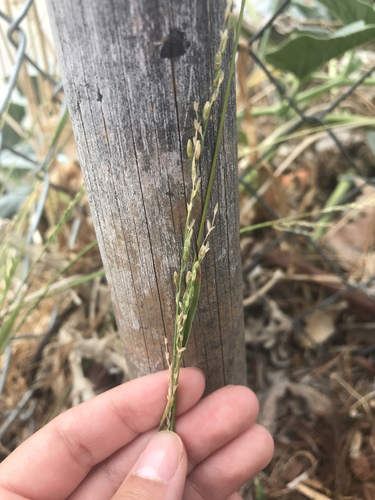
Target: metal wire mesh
<point>362,293</point>
<point>17,38</point>
<point>21,57</point>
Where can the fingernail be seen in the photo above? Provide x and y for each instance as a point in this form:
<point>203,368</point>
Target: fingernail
<point>160,458</point>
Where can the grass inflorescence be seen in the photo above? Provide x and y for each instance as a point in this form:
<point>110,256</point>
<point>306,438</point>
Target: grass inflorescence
<point>188,279</point>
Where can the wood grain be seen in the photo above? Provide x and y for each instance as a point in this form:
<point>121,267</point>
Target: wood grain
<point>131,71</point>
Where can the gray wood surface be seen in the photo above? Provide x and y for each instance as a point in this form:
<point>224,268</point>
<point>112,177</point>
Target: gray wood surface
<point>131,71</point>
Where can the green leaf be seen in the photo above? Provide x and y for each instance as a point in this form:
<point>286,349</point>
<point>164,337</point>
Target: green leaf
<point>305,53</point>
<point>315,10</point>
<point>350,11</point>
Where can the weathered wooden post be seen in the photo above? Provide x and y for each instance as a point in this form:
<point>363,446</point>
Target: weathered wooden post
<point>131,71</point>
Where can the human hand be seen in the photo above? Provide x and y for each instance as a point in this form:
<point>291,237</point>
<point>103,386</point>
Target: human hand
<point>108,448</point>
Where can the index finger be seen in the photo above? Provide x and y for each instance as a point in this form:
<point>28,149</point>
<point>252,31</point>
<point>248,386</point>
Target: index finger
<point>55,460</point>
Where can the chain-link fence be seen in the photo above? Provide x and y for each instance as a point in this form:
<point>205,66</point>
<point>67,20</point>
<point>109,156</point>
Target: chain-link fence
<point>358,293</point>
<point>20,45</point>
<point>21,166</point>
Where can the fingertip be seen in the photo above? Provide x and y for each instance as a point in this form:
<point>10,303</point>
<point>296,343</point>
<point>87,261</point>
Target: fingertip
<point>195,368</point>
<point>161,458</point>
<point>160,471</point>
<point>266,443</point>
<point>235,496</point>
<point>250,398</point>
<point>194,373</point>
<point>192,379</point>
<point>245,400</point>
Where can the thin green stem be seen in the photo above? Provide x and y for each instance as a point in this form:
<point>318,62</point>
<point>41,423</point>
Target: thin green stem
<point>341,189</point>
<point>308,96</point>
<point>315,213</point>
<point>53,235</point>
<point>221,126</point>
<point>53,281</point>
<point>174,405</point>
<point>346,123</point>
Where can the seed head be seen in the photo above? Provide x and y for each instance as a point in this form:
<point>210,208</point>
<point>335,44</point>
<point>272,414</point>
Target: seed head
<point>196,106</point>
<point>186,252</point>
<point>189,149</point>
<point>196,189</point>
<point>206,111</point>
<point>187,297</point>
<point>194,272</point>
<point>215,95</point>
<point>202,252</point>
<point>218,61</point>
<point>216,81</point>
<point>215,210</point>
<point>193,171</point>
<point>175,278</point>
<point>197,149</point>
<point>224,40</point>
<point>221,77</point>
<point>193,275</point>
<point>191,225</point>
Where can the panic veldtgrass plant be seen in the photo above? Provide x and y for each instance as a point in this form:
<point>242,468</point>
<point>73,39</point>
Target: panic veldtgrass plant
<point>188,279</point>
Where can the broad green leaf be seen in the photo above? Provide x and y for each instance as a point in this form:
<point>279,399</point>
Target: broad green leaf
<point>310,10</point>
<point>305,53</point>
<point>350,11</point>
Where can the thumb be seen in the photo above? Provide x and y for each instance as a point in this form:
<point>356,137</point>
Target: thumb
<point>160,472</point>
